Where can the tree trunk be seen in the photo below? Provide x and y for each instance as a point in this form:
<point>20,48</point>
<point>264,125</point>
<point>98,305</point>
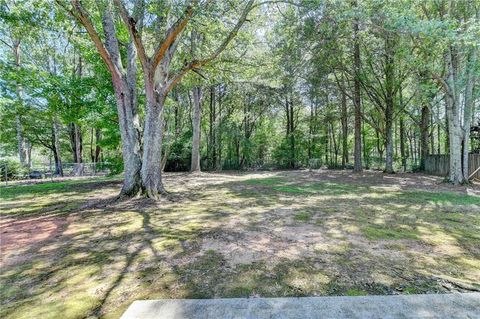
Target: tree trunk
<point>130,140</point>
<point>424,132</point>
<point>196,121</point>
<point>389,141</point>
<point>329,143</point>
<point>78,143</point>
<point>455,143</point>
<point>219,131</point>
<point>77,149</point>
<point>389,102</point>
<point>334,144</point>
<point>402,143</point>
<point>98,149</point>
<point>290,130</point>
<point>344,130</point>
<point>357,153</point>
<point>28,154</point>
<point>18,121</point>
<point>124,85</point>
<point>212,156</point>
<point>366,152</point>
<point>453,116</point>
<point>468,108</point>
<point>20,140</point>
<point>151,171</point>
<point>57,151</point>
<point>92,154</point>
<point>310,134</point>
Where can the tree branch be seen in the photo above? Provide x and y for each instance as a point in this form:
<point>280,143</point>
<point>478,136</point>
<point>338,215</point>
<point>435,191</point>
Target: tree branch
<point>172,35</point>
<point>81,15</point>
<point>8,45</point>
<point>198,63</point>
<point>136,38</point>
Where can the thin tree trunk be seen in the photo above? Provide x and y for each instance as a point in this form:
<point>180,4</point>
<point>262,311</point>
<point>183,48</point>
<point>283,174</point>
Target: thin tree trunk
<point>344,129</point>
<point>402,143</point>
<point>92,153</point>
<point>310,134</point>
<point>18,121</point>
<point>357,167</point>
<point>57,151</point>
<point>196,118</point>
<point>424,127</point>
<point>292,136</point>
<point>220,127</point>
<point>468,108</point>
<point>453,115</point>
<point>432,134</point>
<point>334,143</point>
<point>439,142</point>
<point>77,149</point>
<point>28,153</point>
<point>98,149</point>
<point>389,102</point>
<point>327,157</point>
<point>212,131</point>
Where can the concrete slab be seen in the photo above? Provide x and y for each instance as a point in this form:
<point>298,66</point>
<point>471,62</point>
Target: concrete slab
<point>433,306</point>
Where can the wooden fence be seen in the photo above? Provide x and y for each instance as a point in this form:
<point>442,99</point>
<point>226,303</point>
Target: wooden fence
<point>440,164</point>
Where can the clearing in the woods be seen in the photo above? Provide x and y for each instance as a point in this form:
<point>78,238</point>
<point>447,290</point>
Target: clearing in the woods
<point>70,251</point>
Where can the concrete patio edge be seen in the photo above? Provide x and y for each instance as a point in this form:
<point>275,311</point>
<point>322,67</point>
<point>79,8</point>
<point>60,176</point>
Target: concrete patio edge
<point>431,306</point>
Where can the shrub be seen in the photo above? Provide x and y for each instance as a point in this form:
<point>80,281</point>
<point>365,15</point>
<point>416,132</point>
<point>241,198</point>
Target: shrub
<point>114,165</point>
<point>12,170</point>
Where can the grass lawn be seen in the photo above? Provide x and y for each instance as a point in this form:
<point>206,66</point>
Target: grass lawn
<point>70,251</point>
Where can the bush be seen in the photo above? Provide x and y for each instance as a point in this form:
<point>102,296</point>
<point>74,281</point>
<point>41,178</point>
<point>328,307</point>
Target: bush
<point>13,170</point>
<point>114,165</point>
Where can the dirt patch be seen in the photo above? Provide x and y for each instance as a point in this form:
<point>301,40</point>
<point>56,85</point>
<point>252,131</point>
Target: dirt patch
<point>23,234</point>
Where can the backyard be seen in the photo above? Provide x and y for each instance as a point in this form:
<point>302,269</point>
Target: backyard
<point>71,250</point>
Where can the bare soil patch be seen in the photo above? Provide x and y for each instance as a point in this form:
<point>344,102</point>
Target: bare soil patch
<point>24,234</point>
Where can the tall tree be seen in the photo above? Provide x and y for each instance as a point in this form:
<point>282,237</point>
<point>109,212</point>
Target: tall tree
<point>357,152</point>
<point>159,79</point>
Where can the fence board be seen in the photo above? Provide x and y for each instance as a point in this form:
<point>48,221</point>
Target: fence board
<point>440,165</point>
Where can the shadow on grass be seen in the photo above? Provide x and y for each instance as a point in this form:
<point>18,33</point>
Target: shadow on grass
<point>106,258</point>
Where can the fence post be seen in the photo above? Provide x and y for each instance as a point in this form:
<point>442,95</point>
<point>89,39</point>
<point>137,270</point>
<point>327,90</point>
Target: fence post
<point>6,174</point>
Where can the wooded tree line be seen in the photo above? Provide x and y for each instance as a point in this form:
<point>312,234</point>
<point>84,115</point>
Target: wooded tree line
<point>211,85</point>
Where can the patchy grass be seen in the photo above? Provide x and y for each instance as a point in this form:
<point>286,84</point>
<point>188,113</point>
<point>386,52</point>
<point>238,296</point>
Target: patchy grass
<point>303,216</point>
<point>375,233</point>
<point>266,181</point>
<point>244,235</point>
<point>356,292</point>
<point>45,188</point>
<point>443,198</point>
<point>320,188</point>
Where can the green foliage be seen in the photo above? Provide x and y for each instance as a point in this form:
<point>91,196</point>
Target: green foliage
<point>11,170</point>
<point>114,165</point>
